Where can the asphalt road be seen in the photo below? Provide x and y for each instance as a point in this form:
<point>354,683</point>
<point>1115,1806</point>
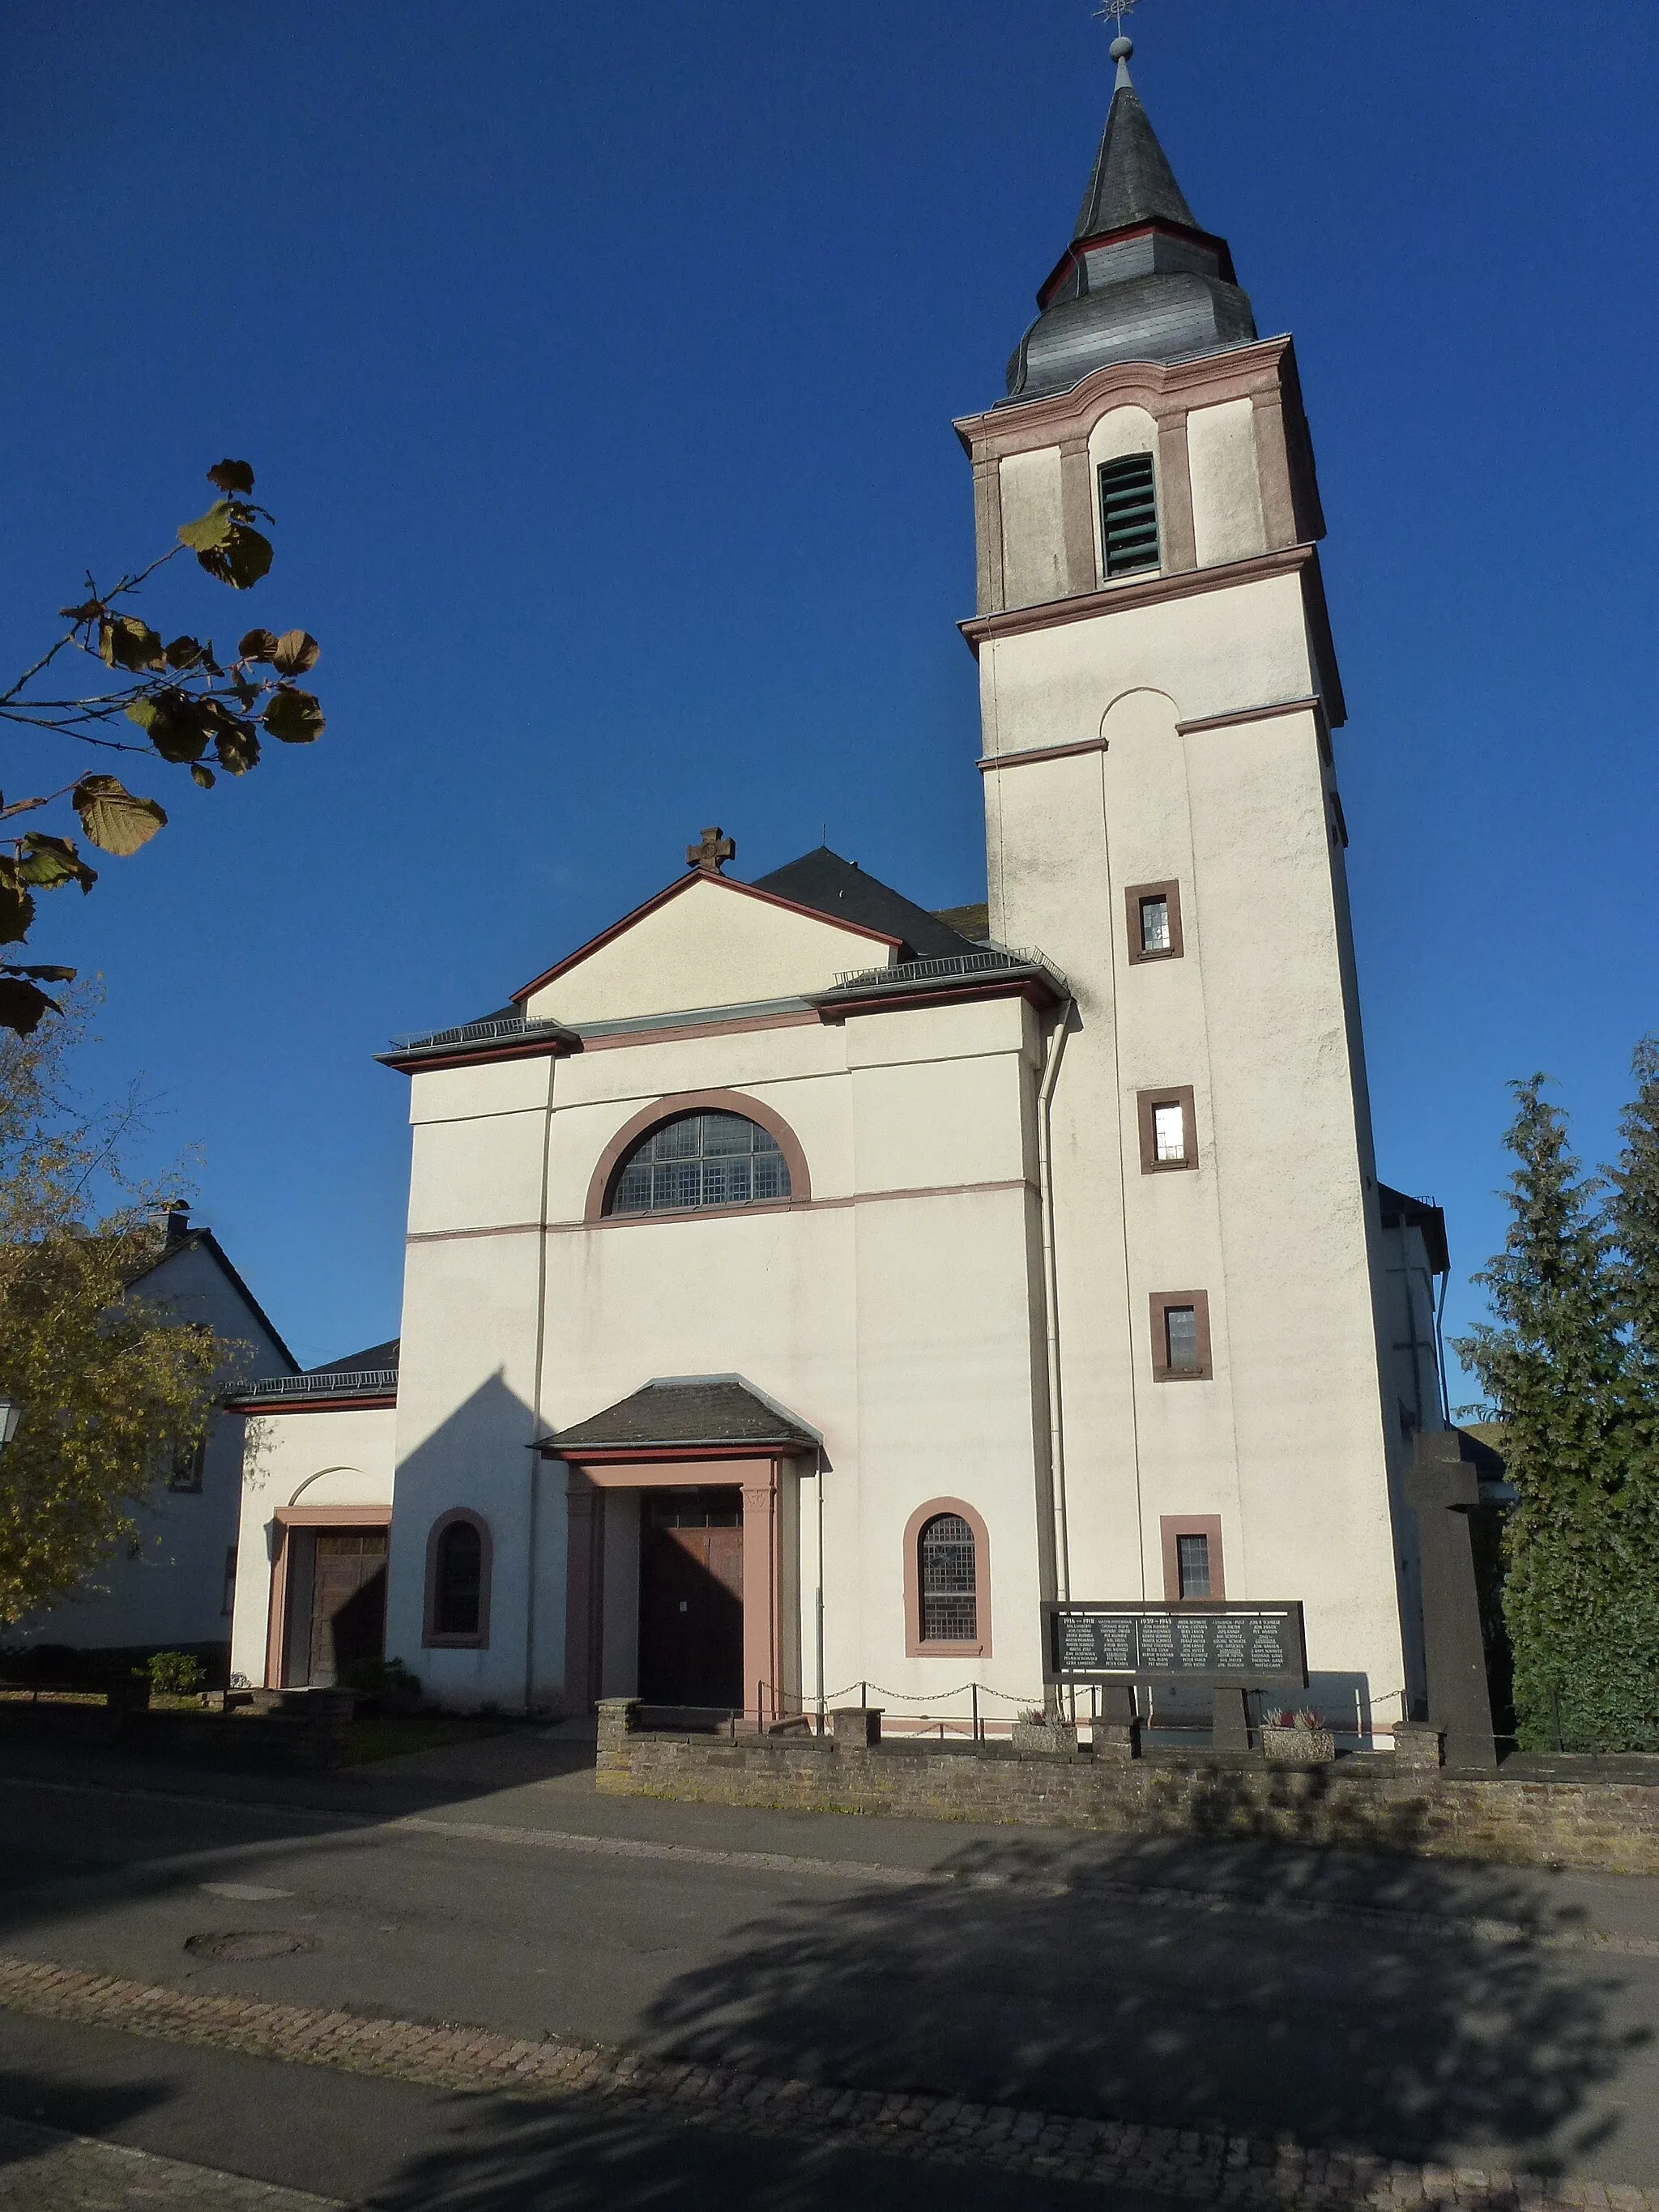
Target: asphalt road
<point>1468,2015</point>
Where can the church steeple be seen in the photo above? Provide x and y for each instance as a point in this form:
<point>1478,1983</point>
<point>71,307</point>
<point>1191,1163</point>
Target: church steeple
<point>1140,280</point>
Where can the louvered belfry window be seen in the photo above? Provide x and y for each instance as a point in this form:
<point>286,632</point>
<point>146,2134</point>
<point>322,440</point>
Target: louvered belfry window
<point>700,1159</point>
<point>1129,514</point>
<point>949,1599</point>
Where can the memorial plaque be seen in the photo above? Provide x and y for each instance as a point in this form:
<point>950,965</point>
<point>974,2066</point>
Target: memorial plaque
<point>1198,1640</point>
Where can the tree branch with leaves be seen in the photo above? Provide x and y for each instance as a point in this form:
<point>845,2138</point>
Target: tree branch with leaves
<point>171,700</point>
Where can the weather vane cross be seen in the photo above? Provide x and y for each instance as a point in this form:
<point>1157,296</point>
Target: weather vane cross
<point>1114,11</point>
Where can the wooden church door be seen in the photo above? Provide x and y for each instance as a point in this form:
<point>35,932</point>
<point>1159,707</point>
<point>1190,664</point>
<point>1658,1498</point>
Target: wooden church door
<point>691,1598</point>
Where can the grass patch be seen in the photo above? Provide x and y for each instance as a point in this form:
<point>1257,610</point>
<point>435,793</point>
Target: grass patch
<point>390,1736</point>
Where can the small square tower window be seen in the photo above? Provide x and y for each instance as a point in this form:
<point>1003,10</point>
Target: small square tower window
<point>1129,515</point>
<point>1180,1336</point>
<point>1169,1138</point>
<point>1152,913</point>
<point>1193,1566</point>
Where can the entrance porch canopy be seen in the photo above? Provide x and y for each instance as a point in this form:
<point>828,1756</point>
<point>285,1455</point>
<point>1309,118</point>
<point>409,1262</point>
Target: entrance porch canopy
<point>676,1430</point>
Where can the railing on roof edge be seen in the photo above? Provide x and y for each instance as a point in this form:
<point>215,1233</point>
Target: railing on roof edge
<point>347,1382</point>
<point>472,1033</point>
<point>959,963</point>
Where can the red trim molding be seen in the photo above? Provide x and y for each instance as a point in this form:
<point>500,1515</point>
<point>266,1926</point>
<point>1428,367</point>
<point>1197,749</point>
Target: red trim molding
<point>979,1646</point>
<point>431,1640</point>
<point>677,891</point>
<point>1043,752</point>
<point>699,1102</point>
<point>310,1405</point>
<point>1112,599</point>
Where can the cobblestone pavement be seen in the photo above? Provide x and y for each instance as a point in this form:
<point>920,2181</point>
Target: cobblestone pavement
<point>1188,2163</point>
<point>43,2171</point>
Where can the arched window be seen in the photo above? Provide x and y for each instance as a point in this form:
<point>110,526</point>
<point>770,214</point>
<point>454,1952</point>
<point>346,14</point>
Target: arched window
<point>700,1160</point>
<point>458,1581</point>
<point>948,1580</point>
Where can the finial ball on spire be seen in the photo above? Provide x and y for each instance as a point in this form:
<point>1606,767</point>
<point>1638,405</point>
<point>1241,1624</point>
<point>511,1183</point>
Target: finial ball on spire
<point>1121,49</point>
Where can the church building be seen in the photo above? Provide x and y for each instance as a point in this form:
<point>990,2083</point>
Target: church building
<point>803,1287</point>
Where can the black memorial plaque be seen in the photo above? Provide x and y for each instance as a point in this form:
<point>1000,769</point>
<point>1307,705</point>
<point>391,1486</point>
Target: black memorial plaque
<point>1201,1640</point>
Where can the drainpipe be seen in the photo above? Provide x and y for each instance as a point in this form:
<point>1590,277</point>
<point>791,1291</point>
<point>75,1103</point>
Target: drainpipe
<point>1051,1296</point>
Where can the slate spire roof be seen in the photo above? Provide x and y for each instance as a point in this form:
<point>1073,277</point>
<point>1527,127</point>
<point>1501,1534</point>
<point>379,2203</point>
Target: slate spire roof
<point>1132,180</point>
<point>1140,280</point>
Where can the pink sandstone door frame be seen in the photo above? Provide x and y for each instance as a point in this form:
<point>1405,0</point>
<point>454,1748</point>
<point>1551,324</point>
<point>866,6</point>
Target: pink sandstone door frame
<point>759,1475</point>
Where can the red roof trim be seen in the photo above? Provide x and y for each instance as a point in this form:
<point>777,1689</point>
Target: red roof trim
<point>674,890</point>
<point>320,1405</point>
<point>604,1455</point>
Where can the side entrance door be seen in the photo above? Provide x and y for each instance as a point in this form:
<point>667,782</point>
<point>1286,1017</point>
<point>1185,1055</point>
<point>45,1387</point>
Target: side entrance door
<point>348,1603</point>
<point>691,1598</point>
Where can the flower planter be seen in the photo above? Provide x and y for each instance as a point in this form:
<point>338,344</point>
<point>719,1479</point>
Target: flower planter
<point>1044,1735</point>
<point>1295,1746</point>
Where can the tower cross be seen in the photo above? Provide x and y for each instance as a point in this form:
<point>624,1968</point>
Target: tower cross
<point>1114,11</point>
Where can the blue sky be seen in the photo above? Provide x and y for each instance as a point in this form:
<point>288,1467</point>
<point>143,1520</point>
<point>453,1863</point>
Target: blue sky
<point>598,364</point>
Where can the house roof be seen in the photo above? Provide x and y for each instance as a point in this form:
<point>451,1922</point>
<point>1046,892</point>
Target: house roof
<point>681,1412</point>
<point>370,1376</point>
<point>842,890</point>
<point>205,1240</point>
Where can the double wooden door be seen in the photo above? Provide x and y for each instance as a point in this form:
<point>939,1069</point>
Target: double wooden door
<point>691,1598</point>
<point>348,1603</point>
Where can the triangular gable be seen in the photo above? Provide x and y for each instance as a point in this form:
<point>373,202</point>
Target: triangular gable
<point>704,941</point>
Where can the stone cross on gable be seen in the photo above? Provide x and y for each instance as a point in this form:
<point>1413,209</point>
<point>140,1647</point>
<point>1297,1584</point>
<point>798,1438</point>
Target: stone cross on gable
<point>716,847</point>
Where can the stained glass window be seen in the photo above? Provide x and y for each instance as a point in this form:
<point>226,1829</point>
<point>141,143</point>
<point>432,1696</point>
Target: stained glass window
<point>950,1603</point>
<point>701,1160</point>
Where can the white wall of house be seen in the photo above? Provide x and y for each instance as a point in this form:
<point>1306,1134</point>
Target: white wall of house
<point>172,1585</point>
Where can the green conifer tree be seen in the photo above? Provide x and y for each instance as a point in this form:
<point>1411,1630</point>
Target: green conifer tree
<point>1557,1363</point>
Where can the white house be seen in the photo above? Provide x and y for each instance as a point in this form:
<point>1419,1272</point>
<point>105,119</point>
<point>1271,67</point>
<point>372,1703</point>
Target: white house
<point>801,1287</point>
<point>172,1587</point>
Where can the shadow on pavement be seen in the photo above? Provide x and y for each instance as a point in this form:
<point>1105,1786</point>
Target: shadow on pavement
<point>1286,2004</point>
<point>89,2111</point>
<point>511,2157</point>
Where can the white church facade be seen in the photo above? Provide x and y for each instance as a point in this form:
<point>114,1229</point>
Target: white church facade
<point>802,1287</point>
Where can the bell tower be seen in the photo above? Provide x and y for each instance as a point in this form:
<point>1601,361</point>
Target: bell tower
<point>1158,687</point>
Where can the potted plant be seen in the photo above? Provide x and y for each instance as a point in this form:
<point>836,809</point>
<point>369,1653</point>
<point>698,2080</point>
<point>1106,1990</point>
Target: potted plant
<point>1298,1739</point>
<point>1037,1730</point>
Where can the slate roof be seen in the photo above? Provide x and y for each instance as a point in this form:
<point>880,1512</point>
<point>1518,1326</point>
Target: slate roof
<point>678,1410</point>
<point>1140,281</point>
<point>821,879</point>
<point>1132,180</point>
<point>378,1357</point>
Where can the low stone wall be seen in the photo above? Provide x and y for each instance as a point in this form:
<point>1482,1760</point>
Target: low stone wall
<point>1366,1803</point>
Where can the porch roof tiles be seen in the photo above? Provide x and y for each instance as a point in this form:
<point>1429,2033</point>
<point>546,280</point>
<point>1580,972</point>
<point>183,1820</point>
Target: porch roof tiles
<point>685,1412</point>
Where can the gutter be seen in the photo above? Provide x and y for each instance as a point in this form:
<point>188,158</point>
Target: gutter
<point>1051,1296</point>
